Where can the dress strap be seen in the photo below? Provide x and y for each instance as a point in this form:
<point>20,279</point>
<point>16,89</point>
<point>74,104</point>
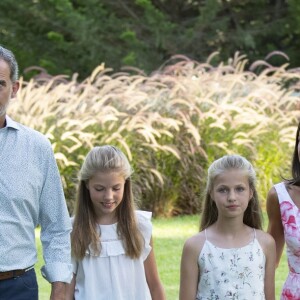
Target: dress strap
<point>205,234</point>
<point>282,193</point>
<point>254,233</point>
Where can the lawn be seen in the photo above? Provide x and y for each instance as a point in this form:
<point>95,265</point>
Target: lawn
<point>169,236</point>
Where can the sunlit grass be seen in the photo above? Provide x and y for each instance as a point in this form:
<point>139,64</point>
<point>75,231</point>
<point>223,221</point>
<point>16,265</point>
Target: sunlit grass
<point>44,286</point>
<point>171,124</point>
<point>169,236</point>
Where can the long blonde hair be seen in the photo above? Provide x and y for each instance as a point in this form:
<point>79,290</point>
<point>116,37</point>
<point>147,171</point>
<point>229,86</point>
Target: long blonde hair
<point>84,234</point>
<point>252,215</point>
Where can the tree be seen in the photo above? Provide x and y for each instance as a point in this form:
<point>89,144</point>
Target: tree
<point>68,36</point>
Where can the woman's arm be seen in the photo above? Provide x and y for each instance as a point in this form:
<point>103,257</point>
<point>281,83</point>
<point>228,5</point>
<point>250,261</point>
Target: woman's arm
<point>275,227</point>
<point>152,277</point>
<point>189,270</point>
<point>70,288</point>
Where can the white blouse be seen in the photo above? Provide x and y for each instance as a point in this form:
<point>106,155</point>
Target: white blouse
<point>112,275</point>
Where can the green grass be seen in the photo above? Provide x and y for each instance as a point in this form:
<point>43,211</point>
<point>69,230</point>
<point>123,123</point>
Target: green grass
<point>169,236</point>
<point>44,286</point>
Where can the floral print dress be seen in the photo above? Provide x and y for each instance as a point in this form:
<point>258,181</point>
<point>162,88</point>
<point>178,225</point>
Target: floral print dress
<point>290,216</point>
<point>235,273</point>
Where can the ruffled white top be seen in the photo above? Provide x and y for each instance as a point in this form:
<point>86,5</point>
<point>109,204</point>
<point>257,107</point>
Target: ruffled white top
<point>112,275</point>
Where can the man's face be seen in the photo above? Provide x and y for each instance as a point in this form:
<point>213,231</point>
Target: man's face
<point>7,88</point>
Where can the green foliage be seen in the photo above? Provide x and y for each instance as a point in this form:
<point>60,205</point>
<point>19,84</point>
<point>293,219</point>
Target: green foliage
<point>171,124</point>
<point>68,36</point>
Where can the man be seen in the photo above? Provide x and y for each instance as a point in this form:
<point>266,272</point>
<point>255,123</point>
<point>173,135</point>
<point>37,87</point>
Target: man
<point>31,194</point>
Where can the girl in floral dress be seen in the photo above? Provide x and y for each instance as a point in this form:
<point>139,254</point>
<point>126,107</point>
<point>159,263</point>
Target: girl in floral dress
<point>283,207</point>
<point>231,257</point>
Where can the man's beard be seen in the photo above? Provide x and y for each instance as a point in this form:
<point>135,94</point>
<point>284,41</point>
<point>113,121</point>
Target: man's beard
<point>3,109</point>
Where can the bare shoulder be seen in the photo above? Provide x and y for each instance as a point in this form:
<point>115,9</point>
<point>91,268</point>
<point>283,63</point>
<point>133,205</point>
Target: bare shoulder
<point>266,241</point>
<point>272,195</point>
<point>273,208</point>
<point>194,244</point>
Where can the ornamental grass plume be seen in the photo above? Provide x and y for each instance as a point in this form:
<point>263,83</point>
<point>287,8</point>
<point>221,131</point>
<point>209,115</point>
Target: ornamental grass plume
<point>171,124</point>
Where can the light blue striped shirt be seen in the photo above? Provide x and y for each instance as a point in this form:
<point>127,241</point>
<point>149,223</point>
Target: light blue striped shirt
<point>31,194</point>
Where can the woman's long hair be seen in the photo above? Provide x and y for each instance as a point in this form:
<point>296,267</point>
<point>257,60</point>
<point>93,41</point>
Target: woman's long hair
<point>84,234</point>
<point>295,180</point>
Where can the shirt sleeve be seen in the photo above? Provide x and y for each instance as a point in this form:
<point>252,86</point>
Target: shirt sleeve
<point>74,261</point>
<point>145,226</point>
<point>55,224</point>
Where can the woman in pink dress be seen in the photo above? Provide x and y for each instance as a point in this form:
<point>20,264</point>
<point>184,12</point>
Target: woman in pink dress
<point>283,207</point>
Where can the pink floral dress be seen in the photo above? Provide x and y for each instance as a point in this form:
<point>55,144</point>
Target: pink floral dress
<point>290,216</point>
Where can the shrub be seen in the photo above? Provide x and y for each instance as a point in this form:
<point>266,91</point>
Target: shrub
<point>171,124</point>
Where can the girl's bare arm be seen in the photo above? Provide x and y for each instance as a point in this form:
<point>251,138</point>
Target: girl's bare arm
<point>152,276</point>
<point>189,270</point>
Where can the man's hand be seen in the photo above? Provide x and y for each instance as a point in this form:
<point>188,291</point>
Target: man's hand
<point>58,291</point>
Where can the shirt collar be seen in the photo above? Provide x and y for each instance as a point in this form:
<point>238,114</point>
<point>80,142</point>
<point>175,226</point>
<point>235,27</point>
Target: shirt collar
<point>11,123</point>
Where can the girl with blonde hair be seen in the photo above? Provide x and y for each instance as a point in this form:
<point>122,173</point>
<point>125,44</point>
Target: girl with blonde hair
<point>231,257</point>
<point>112,249</point>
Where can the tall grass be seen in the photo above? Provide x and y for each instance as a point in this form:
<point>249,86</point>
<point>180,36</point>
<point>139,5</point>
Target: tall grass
<point>169,236</point>
<point>171,124</point>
